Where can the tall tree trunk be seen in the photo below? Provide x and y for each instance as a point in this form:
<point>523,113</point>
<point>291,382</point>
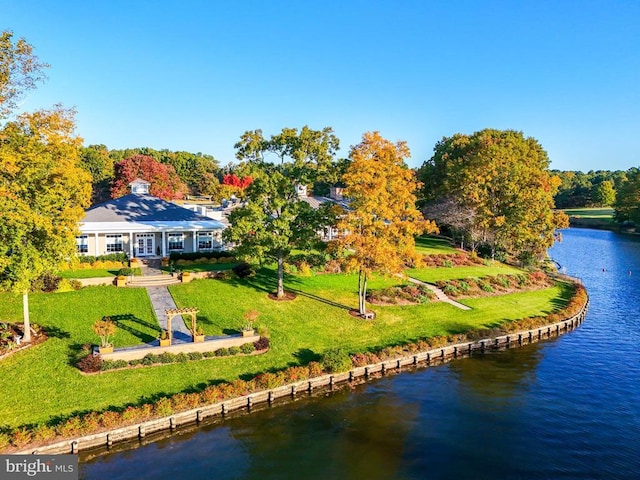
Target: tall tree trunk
<point>25,315</point>
<point>362,292</point>
<point>280,292</point>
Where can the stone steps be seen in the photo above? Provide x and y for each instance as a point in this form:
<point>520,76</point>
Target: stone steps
<point>153,281</point>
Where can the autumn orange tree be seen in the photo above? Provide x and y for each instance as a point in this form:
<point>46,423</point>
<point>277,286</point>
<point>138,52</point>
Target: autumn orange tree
<point>382,220</point>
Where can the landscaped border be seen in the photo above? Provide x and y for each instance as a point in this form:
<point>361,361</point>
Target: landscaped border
<point>433,356</point>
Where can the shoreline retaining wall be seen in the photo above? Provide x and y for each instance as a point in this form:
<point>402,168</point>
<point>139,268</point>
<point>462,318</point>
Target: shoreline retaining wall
<point>434,356</point>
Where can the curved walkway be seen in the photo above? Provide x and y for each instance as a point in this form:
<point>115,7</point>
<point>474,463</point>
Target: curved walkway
<point>440,295</point>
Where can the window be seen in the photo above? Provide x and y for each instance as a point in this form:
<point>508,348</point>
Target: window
<point>205,240</point>
<point>114,243</point>
<point>82,244</point>
<point>176,241</point>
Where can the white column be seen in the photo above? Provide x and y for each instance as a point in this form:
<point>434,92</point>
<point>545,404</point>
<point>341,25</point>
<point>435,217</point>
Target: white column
<point>131,245</point>
<point>194,240</point>
<point>164,243</point>
<point>96,239</point>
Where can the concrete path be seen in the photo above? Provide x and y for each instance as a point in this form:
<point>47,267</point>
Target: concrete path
<point>162,300</point>
<point>440,295</point>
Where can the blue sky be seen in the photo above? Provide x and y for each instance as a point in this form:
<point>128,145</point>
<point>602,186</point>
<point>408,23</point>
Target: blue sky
<point>194,75</point>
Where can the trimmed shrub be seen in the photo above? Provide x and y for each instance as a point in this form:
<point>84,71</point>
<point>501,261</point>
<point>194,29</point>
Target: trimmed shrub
<point>234,350</point>
<point>46,283</point>
<point>90,363</point>
<point>42,433</point>
<point>261,344</point>
<point>222,352</point>
<point>243,270</point>
<point>247,348</point>
<point>195,355</point>
<point>181,358</point>
<point>336,360</point>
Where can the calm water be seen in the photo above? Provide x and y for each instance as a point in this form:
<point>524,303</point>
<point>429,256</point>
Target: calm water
<point>565,408</point>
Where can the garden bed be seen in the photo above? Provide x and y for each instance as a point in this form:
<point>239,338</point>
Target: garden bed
<point>11,338</point>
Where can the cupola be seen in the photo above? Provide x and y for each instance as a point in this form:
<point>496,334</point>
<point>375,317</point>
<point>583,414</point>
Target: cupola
<point>139,187</point>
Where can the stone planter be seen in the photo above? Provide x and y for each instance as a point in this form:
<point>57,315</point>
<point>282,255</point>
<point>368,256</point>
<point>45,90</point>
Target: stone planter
<point>107,349</point>
<point>248,333</point>
<point>121,282</point>
<point>198,338</point>
<point>165,342</point>
<point>165,261</point>
<point>185,277</point>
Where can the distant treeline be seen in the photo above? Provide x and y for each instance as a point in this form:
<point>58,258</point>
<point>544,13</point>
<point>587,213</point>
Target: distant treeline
<point>200,173</point>
<point>603,188</point>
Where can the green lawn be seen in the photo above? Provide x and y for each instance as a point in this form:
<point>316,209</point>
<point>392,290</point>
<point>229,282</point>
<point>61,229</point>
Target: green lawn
<point>40,383</point>
<point>94,273</point>
<point>434,245</point>
<point>601,213</point>
<point>449,273</point>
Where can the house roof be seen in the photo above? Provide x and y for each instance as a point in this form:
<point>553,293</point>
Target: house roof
<point>315,202</point>
<point>141,208</point>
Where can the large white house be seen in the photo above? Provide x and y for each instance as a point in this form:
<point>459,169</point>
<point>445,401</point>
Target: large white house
<point>142,225</point>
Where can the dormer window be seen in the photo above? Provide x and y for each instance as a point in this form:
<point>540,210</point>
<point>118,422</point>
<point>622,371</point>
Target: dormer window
<point>139,187</point>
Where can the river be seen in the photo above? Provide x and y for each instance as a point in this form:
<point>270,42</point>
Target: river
<point>564,408</point>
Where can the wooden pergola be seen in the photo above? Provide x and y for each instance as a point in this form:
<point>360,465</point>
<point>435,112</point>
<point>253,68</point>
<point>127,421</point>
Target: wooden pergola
<point>173,312</point>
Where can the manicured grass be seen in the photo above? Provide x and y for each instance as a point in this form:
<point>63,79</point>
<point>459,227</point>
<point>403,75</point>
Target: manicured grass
<point>41,383</point>
<point>94,273</point>
<point>445,273</point>
<point>601,213</point>
<point>434,245</point>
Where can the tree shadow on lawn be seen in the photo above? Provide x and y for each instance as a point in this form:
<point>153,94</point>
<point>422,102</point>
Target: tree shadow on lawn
<point>129,322</point>
<point>55,332</point>
<point>265,280</point>
<point>204,320</point>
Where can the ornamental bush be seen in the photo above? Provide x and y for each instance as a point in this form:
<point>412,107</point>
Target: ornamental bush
<point>336,360</point>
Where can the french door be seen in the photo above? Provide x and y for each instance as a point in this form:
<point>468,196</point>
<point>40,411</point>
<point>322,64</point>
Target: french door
<point>145,244</point>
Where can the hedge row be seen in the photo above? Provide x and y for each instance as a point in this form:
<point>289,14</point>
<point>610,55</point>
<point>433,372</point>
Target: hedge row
<point>407,293</point>
<point>459,259</point>
<point>94,363</point>
<point>469,287</point>
<point>175,256</point>
<point>578,299</point>
<point>112,257</point>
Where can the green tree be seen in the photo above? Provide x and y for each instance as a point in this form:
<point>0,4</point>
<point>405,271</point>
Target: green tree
<point>96,160</point>
<point>43,193</point>
<point>382,220</point>
<point>627,205</point>
<point>20,70</point>
<point>274,220</point>
<point>504,178</point>
<point>309,152</point>
<point>603,194</point>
